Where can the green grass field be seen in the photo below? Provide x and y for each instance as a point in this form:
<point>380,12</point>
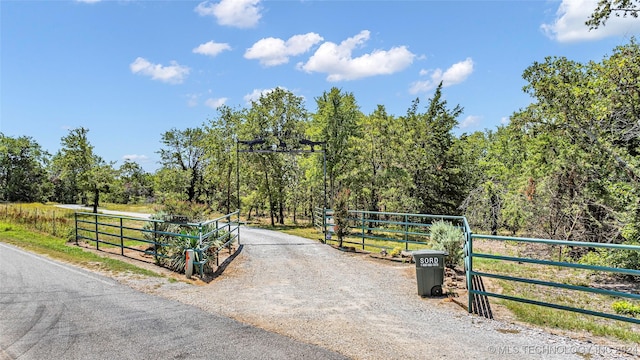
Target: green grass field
<point>57,248</point>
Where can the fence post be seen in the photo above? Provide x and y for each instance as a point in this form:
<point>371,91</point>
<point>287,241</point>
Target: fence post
<point>121,239</point>
<point>470,269</point>
<point>97,238</point>
<point>53,224</point>
<point>217,235</point>
<point>188,271</point>
<point>324,224</point>
<point>238,228</point>
<point>406,232</point>
<point>155,241</point>
<point>75,218</point>
<point>362,218</point>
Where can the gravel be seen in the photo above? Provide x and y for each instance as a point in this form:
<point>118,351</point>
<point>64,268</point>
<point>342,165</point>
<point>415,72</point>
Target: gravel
<point>361,307</point>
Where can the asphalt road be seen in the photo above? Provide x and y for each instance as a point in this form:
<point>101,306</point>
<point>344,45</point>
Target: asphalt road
<point>50,310</point>
<point>104,211</point>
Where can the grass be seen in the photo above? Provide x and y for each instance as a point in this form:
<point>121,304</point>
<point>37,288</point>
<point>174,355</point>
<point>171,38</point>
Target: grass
<point>526,313</point>
<point>139,208</point>
<point>548,317</point>
<point>307,231</point>
<point>17,232</point>
<point>57,248</point>
<point>544,316</point>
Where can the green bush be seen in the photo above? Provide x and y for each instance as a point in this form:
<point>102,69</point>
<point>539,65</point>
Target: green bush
<point>625,259</point>
<point>626,308</point>
<point>446,237</point>
<point>396,251</point>
<point>341,214</point>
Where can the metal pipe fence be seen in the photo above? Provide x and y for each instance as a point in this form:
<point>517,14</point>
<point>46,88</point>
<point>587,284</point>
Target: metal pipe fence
<point>152,236</point>
<point>522,261</point>
<point>378,229</point>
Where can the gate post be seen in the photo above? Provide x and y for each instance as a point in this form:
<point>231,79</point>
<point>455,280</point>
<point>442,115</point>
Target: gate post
<point>469,269</point>
<point>188,271</point>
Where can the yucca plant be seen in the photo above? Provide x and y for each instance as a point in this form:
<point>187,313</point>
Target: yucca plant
<point>177,248</point>
<point>445,236</point>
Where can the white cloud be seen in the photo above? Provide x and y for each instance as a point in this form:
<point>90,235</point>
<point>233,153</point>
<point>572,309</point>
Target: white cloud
<point>456,74</point>
<point>236,13</point>
<point>469,121</point>
<point>211,48</point>
<point>136,158</point>
<point>272,51</point>
<point>505,120</point>
<point>257,93</point>
<point>173,74</point>
<point>337,61</point>
<point>192,100</point>
<point>569,24</point>
<point>215,103</point>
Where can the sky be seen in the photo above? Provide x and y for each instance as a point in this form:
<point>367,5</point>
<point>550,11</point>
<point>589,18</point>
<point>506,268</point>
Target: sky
<point>130,70</point>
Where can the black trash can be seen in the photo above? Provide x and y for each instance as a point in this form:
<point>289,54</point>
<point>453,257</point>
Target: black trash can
<point>429,271</point>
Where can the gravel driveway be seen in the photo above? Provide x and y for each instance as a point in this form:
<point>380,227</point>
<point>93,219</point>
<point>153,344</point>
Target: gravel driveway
<point>361,307</point>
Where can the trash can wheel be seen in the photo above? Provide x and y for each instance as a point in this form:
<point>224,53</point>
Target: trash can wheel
<point>436,290</point>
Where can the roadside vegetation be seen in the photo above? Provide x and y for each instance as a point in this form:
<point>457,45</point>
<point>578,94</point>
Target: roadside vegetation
<point>57,248</point>
<point>566,167</point>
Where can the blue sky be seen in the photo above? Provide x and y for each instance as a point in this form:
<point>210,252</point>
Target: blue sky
<point>131,70</point>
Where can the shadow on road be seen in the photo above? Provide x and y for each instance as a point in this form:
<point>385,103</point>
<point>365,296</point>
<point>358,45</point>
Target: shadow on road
<point>223,266</point>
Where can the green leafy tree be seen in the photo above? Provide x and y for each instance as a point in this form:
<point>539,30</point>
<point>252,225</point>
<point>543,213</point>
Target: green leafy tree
<point>184,152</point>
<point>606,8</point>
<point>220,146</point>
<point>132,184</point>
<point>23,175</point>
<point>582,110</point>
<point>78,173</point>
<point>434,157</point>
<point>336,123</point>
<point>341,215</point>
<point>279,118</point>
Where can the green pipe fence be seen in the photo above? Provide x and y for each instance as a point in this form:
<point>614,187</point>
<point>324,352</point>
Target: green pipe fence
<point>471,254</point>
<point>413,229</point>
<point>378,229</point>
<point>132,233</point>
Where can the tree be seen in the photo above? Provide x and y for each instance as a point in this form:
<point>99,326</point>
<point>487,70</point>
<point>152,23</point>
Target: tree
<point>220,151</point>
<point>132,183</point>
<point>581,110</point>
<point>434,157</point>
<point>78,172</point>
<point>23,175</point>
<point>279,118</point>
<point>606,8</point>
<point>335,122</point>
<point>378,178</point>
<point>184,152</point>
<point>101,176</point>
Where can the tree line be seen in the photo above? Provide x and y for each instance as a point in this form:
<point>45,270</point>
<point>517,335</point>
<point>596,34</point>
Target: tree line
<point>565,167</point>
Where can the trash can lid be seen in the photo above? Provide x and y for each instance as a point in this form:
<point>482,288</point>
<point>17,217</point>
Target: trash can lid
<point>430,252</point>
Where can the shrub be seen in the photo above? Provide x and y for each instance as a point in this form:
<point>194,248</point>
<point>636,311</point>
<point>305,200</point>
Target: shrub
<point>446,237</point>
<point>620,258</point>
<point>396,251</point>
<point>626,308</point>
<point>341,214</point>
<point>192,211</point>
